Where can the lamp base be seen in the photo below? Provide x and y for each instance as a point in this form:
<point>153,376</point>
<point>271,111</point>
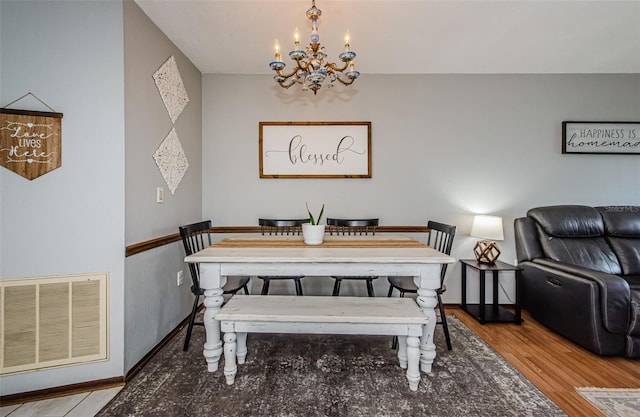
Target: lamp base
<point>486,251</point>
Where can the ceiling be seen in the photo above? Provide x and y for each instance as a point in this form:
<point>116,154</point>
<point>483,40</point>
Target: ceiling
<point>411,37</point>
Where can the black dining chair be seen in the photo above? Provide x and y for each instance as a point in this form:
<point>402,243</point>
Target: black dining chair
<point>281,227</point>
<point>352,227</point>
<point>195,237</point>
<point>440,238</point>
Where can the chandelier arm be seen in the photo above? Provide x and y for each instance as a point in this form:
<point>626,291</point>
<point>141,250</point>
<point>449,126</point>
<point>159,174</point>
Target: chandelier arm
<point>286,86</point>
<point>280,73</point>
<point>349,82</point>
<point>302,66</point>
<point>333,66</point>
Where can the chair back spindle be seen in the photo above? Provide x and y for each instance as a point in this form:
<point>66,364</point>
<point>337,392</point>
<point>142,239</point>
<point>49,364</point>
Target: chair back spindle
<point>195,237</point>
<point>441,239</point>
<point>350,227</point>
<point>281,226</point>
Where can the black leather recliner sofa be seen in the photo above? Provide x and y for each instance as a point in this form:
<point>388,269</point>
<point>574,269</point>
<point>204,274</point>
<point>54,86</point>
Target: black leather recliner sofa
<point>581,274</point>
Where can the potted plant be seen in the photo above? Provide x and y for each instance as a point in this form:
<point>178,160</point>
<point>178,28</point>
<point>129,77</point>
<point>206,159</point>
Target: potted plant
<point>313,232</point>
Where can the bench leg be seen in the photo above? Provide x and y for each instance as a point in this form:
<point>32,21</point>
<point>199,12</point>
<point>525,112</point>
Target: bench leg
<point>402,351</point>
<point>241,352</point>
<point>413,361</point>
<point>230,368</point>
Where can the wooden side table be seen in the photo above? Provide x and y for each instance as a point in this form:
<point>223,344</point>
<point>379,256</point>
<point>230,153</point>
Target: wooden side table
<point>492,312</point>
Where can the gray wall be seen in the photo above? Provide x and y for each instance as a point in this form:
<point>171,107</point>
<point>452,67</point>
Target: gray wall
<point>71,220</point>
<point>154,304</point>
<point>444,147</point>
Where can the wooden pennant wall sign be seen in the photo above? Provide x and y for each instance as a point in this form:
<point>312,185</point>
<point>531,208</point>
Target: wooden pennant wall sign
<point>30,141</point>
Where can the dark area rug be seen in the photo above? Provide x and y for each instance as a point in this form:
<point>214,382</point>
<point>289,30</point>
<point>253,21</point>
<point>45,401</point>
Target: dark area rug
<point>337,376</point>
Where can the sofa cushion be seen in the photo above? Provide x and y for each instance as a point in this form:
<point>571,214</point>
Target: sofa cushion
<point>575,235</point>
<point>621,221</point>
<point>634,284</point>
<point>568,221</point>
<point>628,253</point>
<point>622,229</point>
<point>591,253</point>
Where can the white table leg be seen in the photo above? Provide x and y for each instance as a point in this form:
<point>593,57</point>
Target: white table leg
<point>230,368</point>
<point>213,345</point>
<point>427,301</point>
<point>413,357</point>
<point>241,353</point>
<point>212,282</point>
<point>402,351</point>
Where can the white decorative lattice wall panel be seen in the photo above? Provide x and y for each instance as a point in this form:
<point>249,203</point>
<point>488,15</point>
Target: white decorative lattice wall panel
<point>171,88</point>
<point>171,160</point>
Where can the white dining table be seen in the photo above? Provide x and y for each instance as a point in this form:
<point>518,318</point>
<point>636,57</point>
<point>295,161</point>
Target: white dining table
<point>377,255</point>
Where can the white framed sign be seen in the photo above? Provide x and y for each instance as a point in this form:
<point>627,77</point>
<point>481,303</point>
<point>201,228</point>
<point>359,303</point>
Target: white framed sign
<point>601,137</point>
<point>315,149</point>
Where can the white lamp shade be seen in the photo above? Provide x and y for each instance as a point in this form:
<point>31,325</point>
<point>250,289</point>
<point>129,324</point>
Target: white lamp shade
<point>487,227</point>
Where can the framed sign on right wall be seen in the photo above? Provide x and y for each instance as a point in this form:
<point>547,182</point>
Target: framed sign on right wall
<point>612,138</point>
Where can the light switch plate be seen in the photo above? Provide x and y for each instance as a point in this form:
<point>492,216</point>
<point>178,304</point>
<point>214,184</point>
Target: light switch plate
<point>159,195</point>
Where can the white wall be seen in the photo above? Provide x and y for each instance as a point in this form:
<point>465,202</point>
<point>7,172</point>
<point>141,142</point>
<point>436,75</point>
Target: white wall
<point>71,220</point>
<point>444,147</point>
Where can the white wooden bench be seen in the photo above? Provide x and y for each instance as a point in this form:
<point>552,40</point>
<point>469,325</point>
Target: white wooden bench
<point>400,317</point>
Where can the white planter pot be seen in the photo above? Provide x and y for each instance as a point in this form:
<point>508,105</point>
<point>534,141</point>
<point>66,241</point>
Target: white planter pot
<point>313,234</point>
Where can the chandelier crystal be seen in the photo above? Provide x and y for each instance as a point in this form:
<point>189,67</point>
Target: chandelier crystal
<point>311,69</point>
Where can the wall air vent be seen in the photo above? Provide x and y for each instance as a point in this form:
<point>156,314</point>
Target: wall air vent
<point>52,321</point>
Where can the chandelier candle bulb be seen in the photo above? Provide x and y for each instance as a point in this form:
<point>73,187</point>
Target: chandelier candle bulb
<point>346,42</point>
<point>276,47</point>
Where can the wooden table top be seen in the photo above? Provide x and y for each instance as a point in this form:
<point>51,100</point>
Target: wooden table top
<point>289,241</point>
<point>335,249</point>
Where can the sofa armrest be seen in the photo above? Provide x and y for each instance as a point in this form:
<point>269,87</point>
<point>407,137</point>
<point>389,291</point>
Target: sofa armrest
<point>615,299</point>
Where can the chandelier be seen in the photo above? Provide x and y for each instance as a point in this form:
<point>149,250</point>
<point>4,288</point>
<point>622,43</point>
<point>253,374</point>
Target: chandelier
<point>311,69</point>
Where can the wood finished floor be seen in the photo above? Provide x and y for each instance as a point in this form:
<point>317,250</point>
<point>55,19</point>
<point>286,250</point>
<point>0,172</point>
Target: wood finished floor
<point>552,363</point>
<point>85,404</point>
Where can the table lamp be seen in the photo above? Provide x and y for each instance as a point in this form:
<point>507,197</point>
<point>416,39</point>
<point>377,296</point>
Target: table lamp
<point>489,229</point>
